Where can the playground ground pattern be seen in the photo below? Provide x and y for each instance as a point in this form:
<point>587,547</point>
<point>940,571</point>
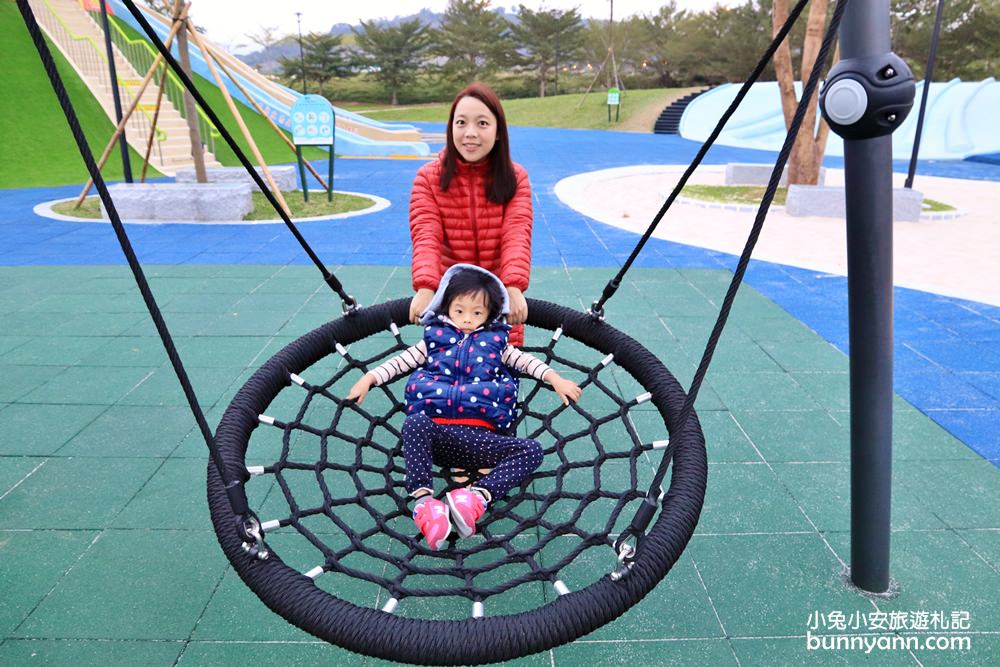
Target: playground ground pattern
<point>107,555</point>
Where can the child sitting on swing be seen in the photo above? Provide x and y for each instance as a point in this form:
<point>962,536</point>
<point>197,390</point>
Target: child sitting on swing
<point>460,394</point>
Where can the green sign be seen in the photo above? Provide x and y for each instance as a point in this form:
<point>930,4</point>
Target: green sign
<point>614,97</point>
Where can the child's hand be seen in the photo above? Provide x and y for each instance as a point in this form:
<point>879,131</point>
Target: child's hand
<point>360,388</point>
<point>567,389</point>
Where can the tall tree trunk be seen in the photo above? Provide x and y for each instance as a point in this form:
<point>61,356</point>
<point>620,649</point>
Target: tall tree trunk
<point>543,74</point>
<point>191,111</point>
<point>807,152</point>
<point>395,97</point>
<point>783,62</point>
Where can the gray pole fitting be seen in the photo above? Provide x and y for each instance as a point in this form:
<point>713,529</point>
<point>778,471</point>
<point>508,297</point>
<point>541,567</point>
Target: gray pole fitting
<point>867,97</point>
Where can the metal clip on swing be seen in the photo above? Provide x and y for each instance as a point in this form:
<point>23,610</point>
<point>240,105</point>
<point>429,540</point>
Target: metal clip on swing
<point>349,305</point>
<point>635,531</point>
<point>247,524</point>
<point>626,552</point>
<point>253,538</point>
<point>596,311</point>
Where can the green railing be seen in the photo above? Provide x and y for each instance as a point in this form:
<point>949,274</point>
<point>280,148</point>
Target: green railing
<point>91,59</point>
<point>141,56</point>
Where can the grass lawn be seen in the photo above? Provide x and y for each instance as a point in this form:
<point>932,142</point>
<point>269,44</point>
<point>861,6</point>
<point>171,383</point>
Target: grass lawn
<point>733,194</point>
<point>752,194</point>
<point>37,146</point>
<point>317,206</point>
<point>639,110</point>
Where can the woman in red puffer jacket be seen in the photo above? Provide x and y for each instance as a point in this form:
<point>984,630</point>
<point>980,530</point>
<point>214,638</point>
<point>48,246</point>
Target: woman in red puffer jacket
<point>473,205</point>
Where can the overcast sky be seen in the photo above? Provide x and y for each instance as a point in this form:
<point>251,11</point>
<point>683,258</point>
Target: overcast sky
<point>228,21</point>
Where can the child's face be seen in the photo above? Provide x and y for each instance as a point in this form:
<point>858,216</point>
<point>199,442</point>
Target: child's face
<point>474,129</point>
<point>469,311</point>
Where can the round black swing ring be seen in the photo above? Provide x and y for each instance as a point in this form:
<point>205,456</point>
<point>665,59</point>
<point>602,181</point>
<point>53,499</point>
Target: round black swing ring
<point>377,633</point>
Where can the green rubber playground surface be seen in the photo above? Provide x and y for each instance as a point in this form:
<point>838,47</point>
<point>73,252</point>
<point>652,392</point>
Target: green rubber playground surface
<point>107,555</point>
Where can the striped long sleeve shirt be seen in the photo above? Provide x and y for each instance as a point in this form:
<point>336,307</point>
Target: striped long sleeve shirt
<point>415,356</point>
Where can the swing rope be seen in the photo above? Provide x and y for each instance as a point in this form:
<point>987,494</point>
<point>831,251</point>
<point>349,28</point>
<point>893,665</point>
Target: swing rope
<point>350,304</point>
<point>233,483</point>
<point>643,517</point>
<point>300,598</point>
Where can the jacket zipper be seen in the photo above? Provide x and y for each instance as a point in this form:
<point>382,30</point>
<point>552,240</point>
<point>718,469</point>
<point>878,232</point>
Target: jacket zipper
<point>475,222</point>
<point>455,393</point>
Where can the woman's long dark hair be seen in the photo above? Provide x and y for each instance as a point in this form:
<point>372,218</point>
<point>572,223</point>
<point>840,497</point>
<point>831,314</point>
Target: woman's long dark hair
<point>502,182</point>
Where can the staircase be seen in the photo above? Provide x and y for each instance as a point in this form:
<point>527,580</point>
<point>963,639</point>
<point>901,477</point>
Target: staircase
<point>669,121</point>
<point>81,41</point>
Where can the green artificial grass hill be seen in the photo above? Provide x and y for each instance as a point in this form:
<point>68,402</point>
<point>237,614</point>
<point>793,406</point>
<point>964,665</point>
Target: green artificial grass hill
<point>639,110</point>
<point>36,146</point>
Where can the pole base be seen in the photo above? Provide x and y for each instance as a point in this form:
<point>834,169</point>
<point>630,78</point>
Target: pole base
<point>894,590</point>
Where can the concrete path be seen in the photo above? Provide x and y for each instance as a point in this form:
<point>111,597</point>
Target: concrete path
<point>954,256</point>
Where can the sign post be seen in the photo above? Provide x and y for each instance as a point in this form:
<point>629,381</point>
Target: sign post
<point>614,100</point>
<point>313,124</point>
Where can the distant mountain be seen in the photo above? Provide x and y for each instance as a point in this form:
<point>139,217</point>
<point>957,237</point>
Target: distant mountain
<point>267,60</point>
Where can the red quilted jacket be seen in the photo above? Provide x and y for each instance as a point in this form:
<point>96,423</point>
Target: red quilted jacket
<point>461,225</point>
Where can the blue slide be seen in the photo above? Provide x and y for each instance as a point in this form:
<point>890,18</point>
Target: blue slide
<point>960,120</point>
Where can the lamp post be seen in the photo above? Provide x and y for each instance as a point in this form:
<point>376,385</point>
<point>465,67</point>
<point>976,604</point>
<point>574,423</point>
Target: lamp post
<point>302,55</point>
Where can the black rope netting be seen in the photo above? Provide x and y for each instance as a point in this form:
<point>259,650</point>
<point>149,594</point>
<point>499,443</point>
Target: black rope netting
<point>329,480</point>
<point>328,487</point>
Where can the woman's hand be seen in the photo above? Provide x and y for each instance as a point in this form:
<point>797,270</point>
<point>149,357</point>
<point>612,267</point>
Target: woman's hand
<point>419,303</point>
<point>566,389</point>
<point>360,388</point>
<point>518,306</point>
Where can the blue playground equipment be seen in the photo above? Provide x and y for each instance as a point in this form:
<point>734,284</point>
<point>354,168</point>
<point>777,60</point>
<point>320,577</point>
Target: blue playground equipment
<point>349,142</point>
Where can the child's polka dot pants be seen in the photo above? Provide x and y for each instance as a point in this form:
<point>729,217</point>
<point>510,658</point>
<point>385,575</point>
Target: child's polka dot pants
<point>426,443</point>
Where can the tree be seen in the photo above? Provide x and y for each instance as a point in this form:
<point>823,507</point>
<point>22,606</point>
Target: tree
<point>661,38</point>
<point>323,58</point>
<point>265,37</point>
<point>807,152</point>
<point>548,37</point>
<point>474,39</point>
<point>395,52</point>
<point>716,46</point>
<point>969,43</point>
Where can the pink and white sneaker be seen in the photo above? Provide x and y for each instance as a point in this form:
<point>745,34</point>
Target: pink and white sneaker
<point>431,517</point>
<point>466,508</point>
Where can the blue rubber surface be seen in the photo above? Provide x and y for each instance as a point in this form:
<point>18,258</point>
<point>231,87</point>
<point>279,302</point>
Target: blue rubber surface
<point>947,349</point>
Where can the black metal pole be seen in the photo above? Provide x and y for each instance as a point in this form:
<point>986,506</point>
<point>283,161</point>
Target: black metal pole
<point>928,76</point>
<point>302,173</point>
<point>333,143</point>
<point>868,176</point>
<point>302,55</point>
<point>126,165</point>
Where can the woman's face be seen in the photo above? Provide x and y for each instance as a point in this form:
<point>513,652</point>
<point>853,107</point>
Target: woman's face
<point>474,129</point>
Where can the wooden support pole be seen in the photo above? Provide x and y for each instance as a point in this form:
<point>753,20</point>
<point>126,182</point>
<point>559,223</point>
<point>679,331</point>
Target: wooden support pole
<point>594,80</point>
<point>284,137</point>
<point>127,115</point>
<point>239,120</point>
<point>152,132</point>
<point>190,110</point>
